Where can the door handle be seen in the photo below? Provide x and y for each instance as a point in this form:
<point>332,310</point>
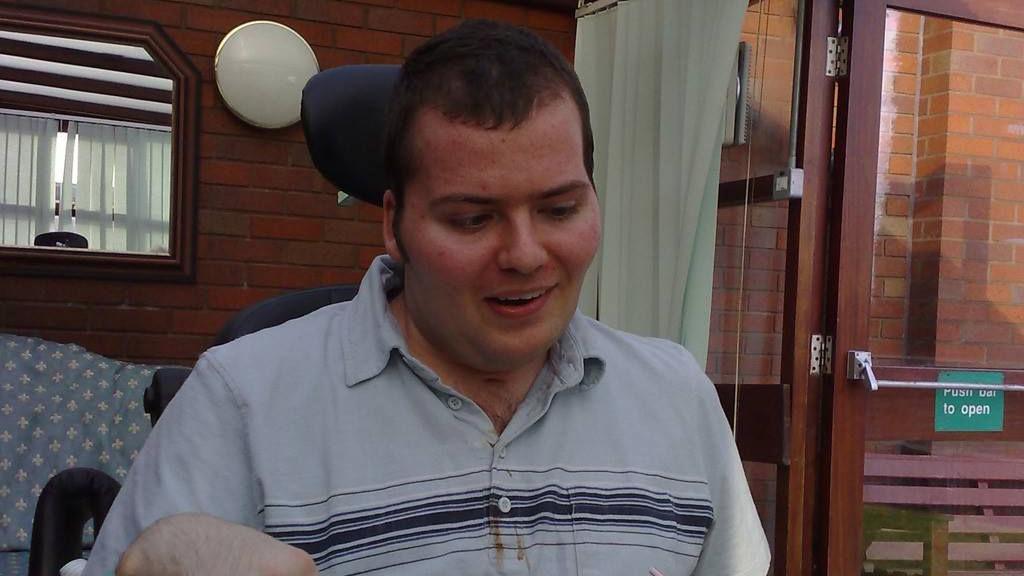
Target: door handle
<point>858,367</point>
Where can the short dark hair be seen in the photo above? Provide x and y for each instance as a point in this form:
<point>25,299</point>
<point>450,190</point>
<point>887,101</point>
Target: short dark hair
<point>480,72</point>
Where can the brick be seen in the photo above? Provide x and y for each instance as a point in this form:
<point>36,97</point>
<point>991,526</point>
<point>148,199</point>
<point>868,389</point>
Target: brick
<point>165,296</point>
<point>236,298</point>
<point>444,23</point>
<point>997,127</point>
<point>411,43</point>
<point>84,291</point>
<point>887,308</point>
<point>973,104</point>
<point>892,329</point>
<point>909,43</point>
<point>563,22</point>
<point>36,316</point>
<point>958,352</point>
<point>220,272</point>
<point>241,249</point>
<point>999,272</point>
<point>168,346</point>
<point>372,41</point>
<point>224,223</point>
<point>196,42</point>
<point>241,199</point>
<point>1010,150</point>
<point>261,7</point>
<point>1000,46</point>
<point>1009,68</point>
<point>214,19</point>
<point>901,63</point>
<point>988,292</point>
<point>285,228</point>
<point>166,13</point>
<point>319,254</point>
<point>901,165</point>
<point>1003,232</point>
<point>495,11</point>
<point>282,276</point>
<point>353,232</point>
<point>124,319</point>
<point>401,21</point>
<point>1007,313</point>
<point>897,206</point>
<point>973,63</point>
<point>1002,87</point>
<point>331,11</point>
<point>313,204</point>
<point>204,322</point>
<point>1011,107</point>
<point>969,145</point>
<point>446,7</point>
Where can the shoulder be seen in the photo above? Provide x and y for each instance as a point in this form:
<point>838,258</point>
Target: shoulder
<point>303,348</point>
<point>623,352</point>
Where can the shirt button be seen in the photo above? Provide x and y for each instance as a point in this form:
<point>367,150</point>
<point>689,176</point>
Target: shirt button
<point>501,452</point>
<point>454,402</point>
<point>504,504</point>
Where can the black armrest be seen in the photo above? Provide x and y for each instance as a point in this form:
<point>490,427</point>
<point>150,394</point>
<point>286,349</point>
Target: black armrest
<point>67,501</point>
<point>166,383</point>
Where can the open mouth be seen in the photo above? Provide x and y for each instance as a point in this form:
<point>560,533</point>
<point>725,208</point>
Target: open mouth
<point>519,299</point>
<point>515,305</point>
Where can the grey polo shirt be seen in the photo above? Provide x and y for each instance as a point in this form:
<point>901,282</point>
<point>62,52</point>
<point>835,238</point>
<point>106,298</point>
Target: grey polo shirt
<point>327,434</point>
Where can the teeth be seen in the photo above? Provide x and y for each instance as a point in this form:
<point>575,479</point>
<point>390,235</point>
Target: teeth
<point>529,296</point>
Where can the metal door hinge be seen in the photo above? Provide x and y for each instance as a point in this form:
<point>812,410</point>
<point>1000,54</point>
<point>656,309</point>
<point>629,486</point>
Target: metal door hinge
<point>821,354</point>
<point>838,56</point>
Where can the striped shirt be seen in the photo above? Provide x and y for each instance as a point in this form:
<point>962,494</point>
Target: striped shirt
<point>328,435</point>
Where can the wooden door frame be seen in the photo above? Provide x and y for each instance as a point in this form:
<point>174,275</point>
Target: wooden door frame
<point>803,316</point>
<point>851,254</point>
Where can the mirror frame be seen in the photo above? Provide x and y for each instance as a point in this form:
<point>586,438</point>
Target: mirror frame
<point>179,265</point>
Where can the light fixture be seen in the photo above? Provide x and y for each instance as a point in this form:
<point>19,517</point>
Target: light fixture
<point>261,68</point>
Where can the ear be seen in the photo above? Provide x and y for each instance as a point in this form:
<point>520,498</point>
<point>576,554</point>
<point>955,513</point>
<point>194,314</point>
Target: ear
<point>391,242</point>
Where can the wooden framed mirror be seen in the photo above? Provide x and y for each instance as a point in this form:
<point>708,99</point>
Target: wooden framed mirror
<point>98,148</point>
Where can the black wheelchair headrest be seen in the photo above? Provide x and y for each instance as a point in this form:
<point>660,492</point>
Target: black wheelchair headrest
<point>343,115</point>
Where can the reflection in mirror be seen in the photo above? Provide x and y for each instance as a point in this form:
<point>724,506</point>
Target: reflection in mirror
<point>85,145</point>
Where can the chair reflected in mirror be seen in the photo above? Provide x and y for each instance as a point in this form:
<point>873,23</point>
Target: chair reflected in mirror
<point>61,240</point>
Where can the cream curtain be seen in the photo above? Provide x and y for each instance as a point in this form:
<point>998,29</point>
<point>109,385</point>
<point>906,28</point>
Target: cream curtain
<point>26,177</point>
<point>656,74</point>
<point>121,187</point>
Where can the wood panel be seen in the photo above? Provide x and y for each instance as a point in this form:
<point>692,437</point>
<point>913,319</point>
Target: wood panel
<point>805,289</point>
<point>849,301</point>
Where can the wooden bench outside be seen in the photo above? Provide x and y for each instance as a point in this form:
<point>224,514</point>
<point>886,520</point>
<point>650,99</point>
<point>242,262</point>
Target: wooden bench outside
<point>924,513</point>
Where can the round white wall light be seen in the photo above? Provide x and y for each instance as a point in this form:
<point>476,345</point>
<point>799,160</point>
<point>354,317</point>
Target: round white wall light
<point>261,68</point>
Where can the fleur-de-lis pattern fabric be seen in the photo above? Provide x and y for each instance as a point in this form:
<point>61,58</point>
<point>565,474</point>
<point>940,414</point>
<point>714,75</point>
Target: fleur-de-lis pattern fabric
<point>60,407</point>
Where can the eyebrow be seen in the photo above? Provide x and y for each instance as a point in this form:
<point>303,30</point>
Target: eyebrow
<point>490,200</point>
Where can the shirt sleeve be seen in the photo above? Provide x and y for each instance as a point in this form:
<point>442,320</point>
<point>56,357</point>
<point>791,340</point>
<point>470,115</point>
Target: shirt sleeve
<point>736,544</point>
<point>196,459</point>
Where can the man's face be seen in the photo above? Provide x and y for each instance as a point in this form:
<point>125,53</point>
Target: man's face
<point>499,227</point>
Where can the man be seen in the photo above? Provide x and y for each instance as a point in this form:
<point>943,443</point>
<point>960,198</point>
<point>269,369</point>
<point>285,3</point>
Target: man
<point>459,416</point>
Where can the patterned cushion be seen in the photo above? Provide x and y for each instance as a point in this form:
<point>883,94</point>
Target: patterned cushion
<point>60,407</point>
<point>13,563</point>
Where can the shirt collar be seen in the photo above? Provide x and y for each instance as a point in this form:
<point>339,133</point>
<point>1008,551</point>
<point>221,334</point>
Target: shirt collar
<point>374,335</point>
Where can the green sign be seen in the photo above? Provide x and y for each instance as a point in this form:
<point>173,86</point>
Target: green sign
<point>960,410</point>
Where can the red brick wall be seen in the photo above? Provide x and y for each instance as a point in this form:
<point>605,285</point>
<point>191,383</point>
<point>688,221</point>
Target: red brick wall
<point>752,311</point>
<point>267,221</point>
<point>955,182</point>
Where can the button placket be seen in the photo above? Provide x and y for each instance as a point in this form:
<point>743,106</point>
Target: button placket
<point>455,403</point>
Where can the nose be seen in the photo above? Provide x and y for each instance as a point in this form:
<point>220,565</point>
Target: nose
<point>522,249</point>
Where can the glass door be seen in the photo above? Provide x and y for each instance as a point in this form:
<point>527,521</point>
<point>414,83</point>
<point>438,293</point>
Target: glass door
<point>925,446</point>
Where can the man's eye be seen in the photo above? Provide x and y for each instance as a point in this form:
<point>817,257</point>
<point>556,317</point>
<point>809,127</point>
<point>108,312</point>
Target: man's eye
<point>471,222</point>
<point>563,211</point>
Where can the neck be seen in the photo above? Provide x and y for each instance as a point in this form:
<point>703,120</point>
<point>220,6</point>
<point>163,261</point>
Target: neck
<point>497,392</point>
